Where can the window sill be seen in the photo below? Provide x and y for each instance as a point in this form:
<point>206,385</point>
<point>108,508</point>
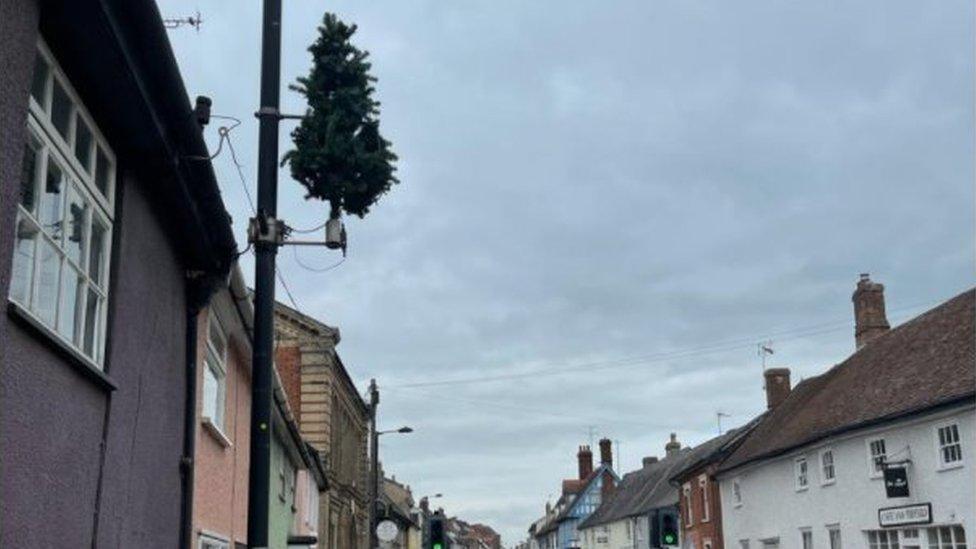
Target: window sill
<point>216,433</point>
<point>82,364</point>
<point>828,482</point>
<point>950,467</point>
<point>802,489</point>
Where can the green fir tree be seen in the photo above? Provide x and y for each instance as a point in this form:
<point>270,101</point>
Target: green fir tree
<point>339,153</point>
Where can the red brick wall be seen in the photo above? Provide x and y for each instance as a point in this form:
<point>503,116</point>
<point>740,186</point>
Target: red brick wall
<point>288,358</point>
<point>701,531</point>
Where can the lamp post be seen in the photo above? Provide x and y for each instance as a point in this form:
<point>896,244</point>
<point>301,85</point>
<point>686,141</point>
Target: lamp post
<point>374,485</point>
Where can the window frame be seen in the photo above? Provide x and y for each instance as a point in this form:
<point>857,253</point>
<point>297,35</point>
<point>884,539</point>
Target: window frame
<point>73,266</point>
<point>212,540</point>
<point>806,534</point>
<point>216,362</point>
<point>832,530</point>
<point>703,490</point>
<point>875,471</point>
<point>797,475</point>
<point>737,492</point>
<point>824,479</point>
<point>686,492</point>
<point>943,465</point>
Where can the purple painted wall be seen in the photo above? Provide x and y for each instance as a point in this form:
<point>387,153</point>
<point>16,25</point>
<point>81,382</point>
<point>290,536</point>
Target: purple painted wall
<point>53,472</point>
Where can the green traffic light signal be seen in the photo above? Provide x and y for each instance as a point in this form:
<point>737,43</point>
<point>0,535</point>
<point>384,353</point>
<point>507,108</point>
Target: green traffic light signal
<point>437,546</point>
<point>669,539</point>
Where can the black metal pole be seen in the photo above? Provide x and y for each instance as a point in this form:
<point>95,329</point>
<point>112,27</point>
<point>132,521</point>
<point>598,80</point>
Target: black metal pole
<point>265,250</point>
<point>374,484</point>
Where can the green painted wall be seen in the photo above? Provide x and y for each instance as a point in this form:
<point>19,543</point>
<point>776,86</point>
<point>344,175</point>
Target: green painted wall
<point>281,516</point>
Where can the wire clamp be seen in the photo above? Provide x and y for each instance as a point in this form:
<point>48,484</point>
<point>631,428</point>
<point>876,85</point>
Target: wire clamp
<point>267,230</point>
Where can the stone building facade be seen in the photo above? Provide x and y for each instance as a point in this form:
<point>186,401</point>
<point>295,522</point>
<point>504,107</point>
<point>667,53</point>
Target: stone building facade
<point>333,417</point>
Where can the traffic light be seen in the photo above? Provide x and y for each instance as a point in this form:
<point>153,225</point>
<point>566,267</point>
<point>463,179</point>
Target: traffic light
<point>438,537</point>
<point>666,528</point>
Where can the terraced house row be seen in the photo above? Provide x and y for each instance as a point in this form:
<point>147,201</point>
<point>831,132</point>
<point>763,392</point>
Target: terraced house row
<point>125,347</point>
<point>874,453</point>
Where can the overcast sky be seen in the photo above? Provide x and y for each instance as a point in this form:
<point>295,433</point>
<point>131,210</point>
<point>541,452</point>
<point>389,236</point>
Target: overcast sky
<point>606,205</point>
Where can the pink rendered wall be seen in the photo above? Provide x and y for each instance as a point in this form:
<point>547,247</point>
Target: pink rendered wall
<point>220,484</point>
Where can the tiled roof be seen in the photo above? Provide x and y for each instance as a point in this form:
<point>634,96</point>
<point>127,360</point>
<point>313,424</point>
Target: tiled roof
<point>579,486</point>
<point>923,364</point>
<point>640,491</point>
<point>713,450</point>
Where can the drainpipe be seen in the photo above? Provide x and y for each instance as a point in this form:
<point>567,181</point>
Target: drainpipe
<point>189,427</point>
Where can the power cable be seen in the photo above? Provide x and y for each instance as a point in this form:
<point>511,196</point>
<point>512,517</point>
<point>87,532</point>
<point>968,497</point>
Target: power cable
<point>301,264</point>
<point>224,132</point>
<point>726,345</point>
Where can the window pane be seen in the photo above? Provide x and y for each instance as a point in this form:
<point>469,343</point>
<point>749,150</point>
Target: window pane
<point>29,175</point>
<point>39,82</point>
<point>209,394</point>
<point>61,110</point>
<point>217,340</point>
<point>47,284</point>
<point>51,200</point>
<point>96,252</point>
<point>70,304</point>
<point>83,144</point>
<point>23,269</point>
<point>93,309</point>
<point>102,173</point>
<point>74,242</point>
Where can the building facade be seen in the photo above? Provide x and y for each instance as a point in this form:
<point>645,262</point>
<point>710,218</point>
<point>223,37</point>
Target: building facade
<point>580,497</point>
<point>876,452</point>
<point>111,240</point>
<point>222,452</point>
<point>629,516</point>
<point>333,418</point>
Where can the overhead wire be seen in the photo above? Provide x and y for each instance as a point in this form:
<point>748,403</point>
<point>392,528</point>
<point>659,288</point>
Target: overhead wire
<point>719,346</point>
<point>224,132</point>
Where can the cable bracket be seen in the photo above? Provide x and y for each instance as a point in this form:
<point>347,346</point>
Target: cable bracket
<point>264,229</point>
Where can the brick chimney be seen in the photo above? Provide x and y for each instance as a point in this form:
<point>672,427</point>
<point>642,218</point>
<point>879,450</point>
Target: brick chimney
<point>672,447</point>
<point>585,457</point>
<point>869,311</point>
<point>648,461</point>
<point>777,386</point>
<point>606,452</point>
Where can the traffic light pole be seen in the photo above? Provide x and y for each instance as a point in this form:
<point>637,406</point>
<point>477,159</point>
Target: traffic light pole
<point>264,234</point>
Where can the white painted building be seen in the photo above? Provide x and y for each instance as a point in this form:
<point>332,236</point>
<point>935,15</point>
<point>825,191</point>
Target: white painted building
<point>769,504</point>
<point>811,475</point>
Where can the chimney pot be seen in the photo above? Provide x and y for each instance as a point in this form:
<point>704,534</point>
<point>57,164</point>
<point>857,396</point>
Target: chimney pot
<point>870,320</point>
<point>777,386</point>
<point>606,452</point>
<point>648,461</point>
<point>673,446</point>
<point>585,459</point>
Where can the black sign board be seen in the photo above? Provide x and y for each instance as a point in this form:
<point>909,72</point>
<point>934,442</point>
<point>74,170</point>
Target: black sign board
<point>896,482</point>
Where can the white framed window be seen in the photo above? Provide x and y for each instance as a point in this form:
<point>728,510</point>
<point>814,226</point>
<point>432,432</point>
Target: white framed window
<point>833,534</point>
<point>65,217</point>
<point>946,537</point>
<point>877,455</point>
<point>883,539</point>
<point>801,473</point>
<point>703,490</point>
<point>707,544</point>
<point>949,445</point>
<point>806,538</point>
<point>827,473</point>
<point>736,492</point>
<point>215,374</point>
<point>212,542</point>
<point>686,495</point>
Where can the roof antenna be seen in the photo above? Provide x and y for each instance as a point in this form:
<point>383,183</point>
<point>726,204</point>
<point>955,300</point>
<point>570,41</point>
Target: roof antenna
<point>763,349</point>
<point>719,415</point>
<point>176,22</point>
